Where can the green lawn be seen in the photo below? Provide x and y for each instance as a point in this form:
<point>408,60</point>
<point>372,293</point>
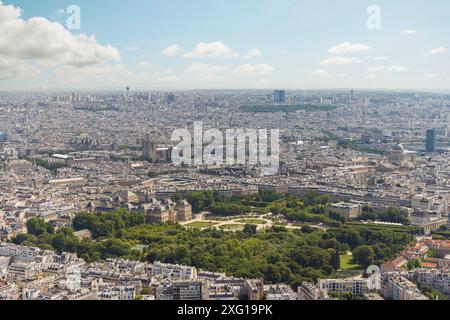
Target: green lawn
<point>252,221</point>
<point>347,264</point>
<point>201,224</point>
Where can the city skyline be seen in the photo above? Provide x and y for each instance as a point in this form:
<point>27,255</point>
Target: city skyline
<point>182,46</point>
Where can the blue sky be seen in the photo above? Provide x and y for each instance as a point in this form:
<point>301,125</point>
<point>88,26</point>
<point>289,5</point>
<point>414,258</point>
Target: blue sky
<point>291,45</point>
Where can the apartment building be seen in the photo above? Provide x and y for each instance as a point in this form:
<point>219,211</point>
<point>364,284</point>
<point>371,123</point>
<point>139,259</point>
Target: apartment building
<point>435,278</point>
<point>23,254</point>
<point>184,290</point>
<point>357,287</point>
<point>172,271</point>
<point>396,287</point>
<point>253,289</point>
<point>308,291</point>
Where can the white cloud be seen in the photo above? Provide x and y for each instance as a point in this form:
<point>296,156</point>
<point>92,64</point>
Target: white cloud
<point>431,75</point>
<point>398,68</point>
<point>339,61</point>
<point>409,32</point>
<point>14,68</point>
<point>252,53</point>
<point>437,51</point>
<point>211,50</point>
<point>376,69</point>
<point>326,74</point>
<point>348,47</point>
<point>320,73</point>
<point>206,71</point>
<point>393,68</point>
<point>172,50</point>
<point>206,68</point>
<point>72,74</point>
<point>41,39</point>
<point>253,70</point>
<point>108,76</point>
<point>369,76</point>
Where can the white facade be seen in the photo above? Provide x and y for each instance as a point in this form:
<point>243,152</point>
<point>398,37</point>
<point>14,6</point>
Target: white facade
<point>176,272</point>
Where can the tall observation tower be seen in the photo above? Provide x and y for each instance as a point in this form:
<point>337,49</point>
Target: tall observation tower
<point>127,97</point>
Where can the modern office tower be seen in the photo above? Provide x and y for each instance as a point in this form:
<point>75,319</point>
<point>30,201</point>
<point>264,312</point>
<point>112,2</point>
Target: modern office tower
<point>352,95</point>
<point>170,98</point>
<point>3,138</point>
<point>75,97</point>
<point>148,149</point>
<point>279,96</point>
<point>431,140</point>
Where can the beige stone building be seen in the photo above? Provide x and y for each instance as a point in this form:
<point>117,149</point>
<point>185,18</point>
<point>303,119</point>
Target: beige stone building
<point>166,210</point>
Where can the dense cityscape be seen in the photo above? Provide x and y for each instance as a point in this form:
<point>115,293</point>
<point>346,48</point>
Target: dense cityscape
<point>91,206</point>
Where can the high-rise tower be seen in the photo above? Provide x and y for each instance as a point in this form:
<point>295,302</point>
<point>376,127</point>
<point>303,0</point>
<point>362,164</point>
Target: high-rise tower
<point>279,96</point>
<point>431,140</point>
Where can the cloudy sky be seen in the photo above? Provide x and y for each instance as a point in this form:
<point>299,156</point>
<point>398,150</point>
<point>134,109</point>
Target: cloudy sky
<point>195,44</point>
